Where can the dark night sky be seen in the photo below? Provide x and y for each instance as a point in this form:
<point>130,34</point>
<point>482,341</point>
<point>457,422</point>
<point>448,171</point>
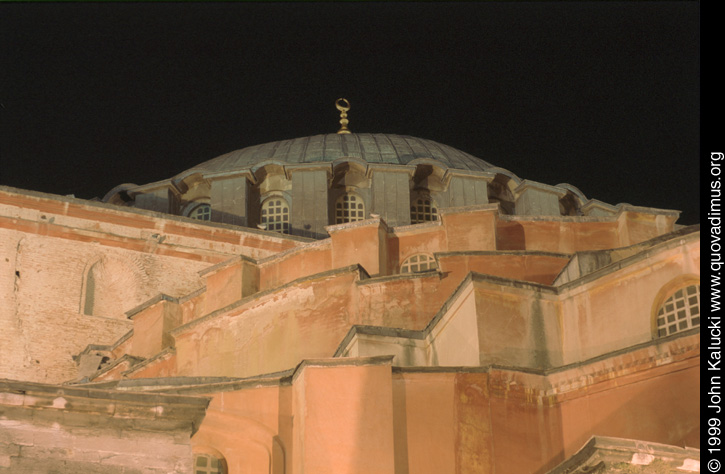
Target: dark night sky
<point>602,95</point>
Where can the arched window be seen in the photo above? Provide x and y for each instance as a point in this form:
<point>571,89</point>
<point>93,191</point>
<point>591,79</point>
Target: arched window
<point>208,464</point>
<point>679,312</point>
<point>349,208</point>
<point>275,215</point>
<point>423,209</point>
<point>418,263</point>
<point>202,212</point>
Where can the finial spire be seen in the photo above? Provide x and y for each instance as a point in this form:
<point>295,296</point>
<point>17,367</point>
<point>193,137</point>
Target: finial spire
<point>343,106</point>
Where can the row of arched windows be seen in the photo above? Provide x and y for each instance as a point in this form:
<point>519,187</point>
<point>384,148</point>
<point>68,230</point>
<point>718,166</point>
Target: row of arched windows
<point>275,211</point>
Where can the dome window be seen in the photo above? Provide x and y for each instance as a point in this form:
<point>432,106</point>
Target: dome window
<point>202,212</point>
<point>275,215</point>
<point>679,312</point>
<point>418,263</point>
<point>423,209</point>
<point>349,208</point>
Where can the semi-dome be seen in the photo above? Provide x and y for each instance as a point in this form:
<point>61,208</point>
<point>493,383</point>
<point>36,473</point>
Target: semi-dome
<point>379,148</point>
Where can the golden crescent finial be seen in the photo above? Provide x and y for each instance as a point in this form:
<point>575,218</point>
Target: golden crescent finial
<point>343,105</point>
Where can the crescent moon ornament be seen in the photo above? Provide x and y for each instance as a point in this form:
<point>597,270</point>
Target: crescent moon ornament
<point>343,105</point>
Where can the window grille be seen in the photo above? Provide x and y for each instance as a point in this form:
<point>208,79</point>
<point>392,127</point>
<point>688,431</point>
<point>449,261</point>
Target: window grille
<point>349,208</point>
<point>423,209</point>
<point>418,263</point>
<point>275,215</point>
<point>208,464</point>
<point>679,312</point>
<point>202,212</point>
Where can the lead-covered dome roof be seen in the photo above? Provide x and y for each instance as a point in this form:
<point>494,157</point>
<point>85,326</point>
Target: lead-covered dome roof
<point>369,147</point>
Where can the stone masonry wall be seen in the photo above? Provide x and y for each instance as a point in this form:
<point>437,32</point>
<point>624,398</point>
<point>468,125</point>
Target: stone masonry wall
<point>43,285</point>
<point>49,429</point>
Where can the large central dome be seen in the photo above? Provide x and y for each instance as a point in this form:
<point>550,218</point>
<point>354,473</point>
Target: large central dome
<point>369,147</point>
<point>303,185</point>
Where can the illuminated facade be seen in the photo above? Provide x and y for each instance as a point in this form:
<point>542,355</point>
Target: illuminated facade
<point>343,303</point>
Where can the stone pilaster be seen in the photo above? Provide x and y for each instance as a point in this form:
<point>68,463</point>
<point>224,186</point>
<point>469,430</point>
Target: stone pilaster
<point>537,199</point>
<point>229,198</point>
<point>391,194</point>
<point>309,206</point>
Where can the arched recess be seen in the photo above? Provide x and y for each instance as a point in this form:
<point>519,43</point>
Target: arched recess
<point>192,193</point>
<point>427,184</point>
<point>245,444</point>
<point>119,195</point>
<point>110,287</point>
<point>569,205</point>
<point>349,196</point>
<point>676,308</point>
<point>275,214</point>
<point>349,172</point>
<point>500,191</point>
<point>271,181</point>
<point>349,207</point>
<point>423,208</point>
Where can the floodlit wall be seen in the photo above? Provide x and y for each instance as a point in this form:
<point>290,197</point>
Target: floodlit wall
<point>67,430</point>
<point>358,415</point>
<point>70,269</point>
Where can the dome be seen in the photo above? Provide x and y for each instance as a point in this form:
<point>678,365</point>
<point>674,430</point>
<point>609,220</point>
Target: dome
<point>369,147</point>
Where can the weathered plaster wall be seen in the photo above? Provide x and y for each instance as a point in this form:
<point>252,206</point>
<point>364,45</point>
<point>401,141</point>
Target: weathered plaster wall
<point>344,420</point>
<point>454,340</point>
<point>47,429</point>
<point>407,302</point>
<point>648,394</point>
<point>517,327</point>
<point>271,332</point>
<point>70,269</point>
<point>358,415</point>
<point>526,266</point>
<point>277,271</point>
<point>616,309</point>
<point>424,423</point>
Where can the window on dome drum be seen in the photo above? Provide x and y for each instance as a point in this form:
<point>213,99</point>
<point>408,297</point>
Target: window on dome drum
<point>275,215</point>
<point>418,263</point>
<point>208,464</point>
<point>679,312</point>
<point>423,209</point>
<point>349,208</point>
<point>202,212</point>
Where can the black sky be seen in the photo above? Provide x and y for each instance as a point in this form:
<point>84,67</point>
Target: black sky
<point>602,95</point>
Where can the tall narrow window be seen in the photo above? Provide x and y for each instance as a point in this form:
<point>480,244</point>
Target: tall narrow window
<point>349,208</point>
<point>418,263</point>
<point>202,212</point>
<point>423,209</point>
<point>208,464</point>
<point>275,215</point>
<point>679,312</point>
